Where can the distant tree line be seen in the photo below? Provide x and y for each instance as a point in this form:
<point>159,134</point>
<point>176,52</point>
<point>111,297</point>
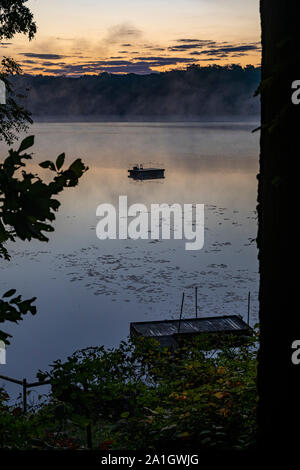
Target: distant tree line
<point>197,92</point>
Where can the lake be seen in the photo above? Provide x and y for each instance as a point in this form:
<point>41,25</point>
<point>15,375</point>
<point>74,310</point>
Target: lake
<point>88,290</point>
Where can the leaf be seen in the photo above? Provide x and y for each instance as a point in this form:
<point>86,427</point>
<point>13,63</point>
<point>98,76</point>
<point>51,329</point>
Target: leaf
<point>26,143</point>
<point>169,428</point>
<point>183,434</point>
<point>60,161</point>
<point>125,414</point>
<point>48,164</point>
<point>79,420</point>
<point>206,441</point>
<point>220,395</point>
<point>77,167</point>
<point>9,293</point>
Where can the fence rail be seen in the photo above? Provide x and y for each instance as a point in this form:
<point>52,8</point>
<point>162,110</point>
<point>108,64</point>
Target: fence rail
<point>25,385</point>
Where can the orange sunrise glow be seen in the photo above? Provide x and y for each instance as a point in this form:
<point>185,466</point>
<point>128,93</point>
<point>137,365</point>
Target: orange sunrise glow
<point>89,37</point>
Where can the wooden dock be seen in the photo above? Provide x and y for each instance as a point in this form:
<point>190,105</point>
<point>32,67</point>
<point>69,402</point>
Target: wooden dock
<point>171,332</point>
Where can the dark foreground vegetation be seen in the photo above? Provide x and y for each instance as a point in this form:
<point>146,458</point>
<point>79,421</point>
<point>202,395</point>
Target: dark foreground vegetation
<point>194,93</point>
<point>141,396</point>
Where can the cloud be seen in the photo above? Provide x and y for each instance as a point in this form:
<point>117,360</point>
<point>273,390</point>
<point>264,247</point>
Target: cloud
<point>51,64</point>
<point>213,48</point>
<point>138,68</point>
<point>64,39</point>
<point>158,61</point>
<point>124,35</point>
<point>192,44</point>
<point>153,48</point>
<point>116,34</point>
<point>136,55</point>
<point>98,63</point>
<point>139,65</point>
<point>43,56</point>
<point>207,59</point>
<point>229,50</point>
<point>188,40</point>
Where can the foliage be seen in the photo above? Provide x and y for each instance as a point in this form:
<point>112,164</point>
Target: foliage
<point>142,396</point>
<point>15,18</point>
<point>27,210</point>
<point>13,310</point>
<point>14,118</point>
<point>195,398</point>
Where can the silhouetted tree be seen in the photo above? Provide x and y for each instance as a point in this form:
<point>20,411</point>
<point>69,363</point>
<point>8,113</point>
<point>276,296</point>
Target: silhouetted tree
<point>14,118</point>
<point>15,18</point>
<point>197,92</point>
<point>278,234</point>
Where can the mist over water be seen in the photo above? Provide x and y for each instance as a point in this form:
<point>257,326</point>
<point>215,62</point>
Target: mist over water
<point>194,94</point>
<point>88,291</point>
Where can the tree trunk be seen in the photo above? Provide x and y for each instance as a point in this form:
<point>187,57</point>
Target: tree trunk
<point>278,378</point>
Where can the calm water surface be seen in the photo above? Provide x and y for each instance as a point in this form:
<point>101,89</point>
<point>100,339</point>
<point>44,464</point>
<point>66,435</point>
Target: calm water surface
<point>88,291</point>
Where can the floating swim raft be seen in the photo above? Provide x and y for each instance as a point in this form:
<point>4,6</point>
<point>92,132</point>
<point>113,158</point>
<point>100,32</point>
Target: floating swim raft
<point>138,172</point>
<point>172,332</point>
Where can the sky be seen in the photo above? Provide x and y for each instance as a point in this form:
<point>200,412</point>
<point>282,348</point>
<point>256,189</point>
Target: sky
<point>77,37</point>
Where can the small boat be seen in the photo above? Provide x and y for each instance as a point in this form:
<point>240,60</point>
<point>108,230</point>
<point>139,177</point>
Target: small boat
<point>138,172</point>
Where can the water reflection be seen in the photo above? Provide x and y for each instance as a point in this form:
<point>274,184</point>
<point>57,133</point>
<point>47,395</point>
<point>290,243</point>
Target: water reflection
<point>90,290</point>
